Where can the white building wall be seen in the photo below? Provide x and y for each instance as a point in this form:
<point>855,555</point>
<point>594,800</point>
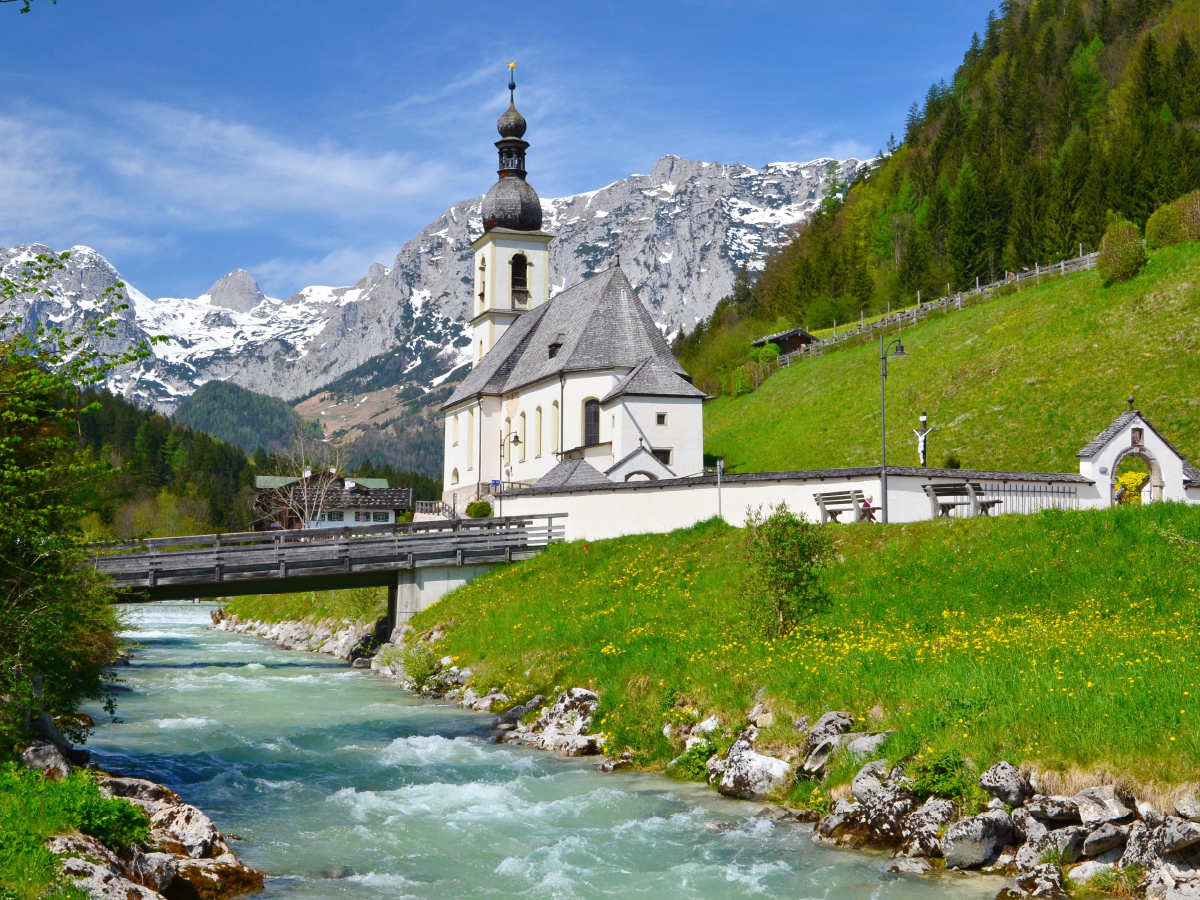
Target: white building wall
<point>1102,467</point>
<point>683,433</point>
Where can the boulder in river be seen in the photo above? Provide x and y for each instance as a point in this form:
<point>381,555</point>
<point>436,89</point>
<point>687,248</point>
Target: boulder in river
<point>750,775</point>
<point>971,842</point>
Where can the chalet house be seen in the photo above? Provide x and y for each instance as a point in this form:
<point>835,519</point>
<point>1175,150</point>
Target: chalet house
<point>787,341</point>
<point>326,500</point>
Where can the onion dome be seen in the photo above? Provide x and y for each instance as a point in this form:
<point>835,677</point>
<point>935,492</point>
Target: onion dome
<point>512,203</point>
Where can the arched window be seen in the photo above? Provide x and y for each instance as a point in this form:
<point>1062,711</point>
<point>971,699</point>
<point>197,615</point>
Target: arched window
<point>554,426</point>
<point>520,281</point>
<point>454,432</point>
<point>591,422</point>
<point>454,477</point>
<point>507,440</point>
<point>470,439</point>
<point>537,432</point>
<point>524,441</point>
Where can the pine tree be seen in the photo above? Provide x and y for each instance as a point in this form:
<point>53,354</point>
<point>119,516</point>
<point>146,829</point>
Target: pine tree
<point>967,241</point>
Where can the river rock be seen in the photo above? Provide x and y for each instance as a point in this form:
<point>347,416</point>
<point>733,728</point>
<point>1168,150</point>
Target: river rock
<point>1085,872</point>
<point>151,797</point>
<point>1066,842</point>
<point>361,662</point>
<point>750,775</point>
<point>915,866</point>
<point>1058,809</point>
<point>971,842</point>
<point>186,831</point>
<point>46,758</point>
<point>1004,782</point>
<point>816,761</point>
<point>213,879</point>
<point>1044,882</point>
<point>865,745</point>
<point>563,727</point>
<point>830,726</point>
<point>708,726</point>
<point>43,726</point>
<point>715,768</point>
<point>104,884</point>
<point>1149,814</point>
<point>1107,837</point>
<point>1027,827</point>
<point>153,870</point>
<point>1101,804</point>
<point>919,830</point>
<point>1188,807</point>
<point>869,779</point>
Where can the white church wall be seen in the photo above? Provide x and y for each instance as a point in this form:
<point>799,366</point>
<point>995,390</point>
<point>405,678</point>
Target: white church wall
<point>682,433</point>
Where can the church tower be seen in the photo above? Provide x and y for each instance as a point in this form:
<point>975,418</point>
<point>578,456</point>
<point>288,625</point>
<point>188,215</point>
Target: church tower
<point>512,256</point>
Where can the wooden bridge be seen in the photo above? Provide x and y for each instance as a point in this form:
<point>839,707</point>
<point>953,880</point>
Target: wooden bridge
<point>316,559</point>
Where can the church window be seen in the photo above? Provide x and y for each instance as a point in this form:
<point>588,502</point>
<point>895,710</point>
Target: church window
<point>508,440</point>
<point>454,432</point>
<point>554,426</point>
<point>537,432</point>
<point>520,281</point>
<point>661,418</point>
<point>521,432</point>
<point>591,423</point>
<point>663,456</point>
<point>470,440</point>
<point>454,477</point>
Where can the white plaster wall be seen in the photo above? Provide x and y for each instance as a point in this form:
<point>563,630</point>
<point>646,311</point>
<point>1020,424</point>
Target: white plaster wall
<point>683,433</point>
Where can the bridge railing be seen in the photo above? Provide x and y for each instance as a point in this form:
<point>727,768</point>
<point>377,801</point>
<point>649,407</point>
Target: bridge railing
<point>323,551</point>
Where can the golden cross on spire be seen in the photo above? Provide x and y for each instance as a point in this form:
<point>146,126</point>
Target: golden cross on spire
<point>511,66</point>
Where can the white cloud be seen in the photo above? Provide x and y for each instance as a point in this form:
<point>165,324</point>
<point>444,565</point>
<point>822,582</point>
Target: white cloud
<point>282,277</point>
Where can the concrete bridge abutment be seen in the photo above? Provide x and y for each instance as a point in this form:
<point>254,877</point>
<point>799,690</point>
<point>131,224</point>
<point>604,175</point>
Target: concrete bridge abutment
<point>417,589</point>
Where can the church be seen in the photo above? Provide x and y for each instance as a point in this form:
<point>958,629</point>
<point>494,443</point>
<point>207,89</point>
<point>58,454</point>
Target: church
<point>576,389</point>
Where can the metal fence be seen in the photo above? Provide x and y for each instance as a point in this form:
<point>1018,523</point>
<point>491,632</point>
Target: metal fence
<point>1023,497</point>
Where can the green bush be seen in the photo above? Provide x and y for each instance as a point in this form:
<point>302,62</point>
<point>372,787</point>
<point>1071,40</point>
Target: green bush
<point>420,663</point>
<point>1121,253</point>
<point>1189,211</point>
<point>691,764</point>
<point>946,774</point>
<point>786,553</point>
<point>1166,227</point>
<point>479,509</point>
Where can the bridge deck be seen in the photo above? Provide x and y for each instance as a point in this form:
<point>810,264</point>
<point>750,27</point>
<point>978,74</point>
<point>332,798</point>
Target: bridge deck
<point>252,562</point>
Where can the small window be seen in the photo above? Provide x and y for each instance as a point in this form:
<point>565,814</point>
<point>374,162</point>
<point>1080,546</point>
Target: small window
<point>454,432</point>
<point>454,477</point>
<point>337,516</point>
<point>663,456</point>
<point>661,418</point>
<point>591,423</point>
<point>358,517</point>
<point>381,517</point>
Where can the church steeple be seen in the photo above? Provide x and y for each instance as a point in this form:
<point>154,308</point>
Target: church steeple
<point>512,202</point>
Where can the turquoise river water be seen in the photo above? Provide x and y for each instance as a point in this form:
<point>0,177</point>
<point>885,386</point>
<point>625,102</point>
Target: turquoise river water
<point>338,784</point>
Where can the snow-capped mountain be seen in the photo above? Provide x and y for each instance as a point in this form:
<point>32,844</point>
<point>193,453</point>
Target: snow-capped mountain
<point>682,232</point>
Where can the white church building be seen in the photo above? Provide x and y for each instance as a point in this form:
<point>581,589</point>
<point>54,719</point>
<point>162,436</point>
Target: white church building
<point>577,389</point>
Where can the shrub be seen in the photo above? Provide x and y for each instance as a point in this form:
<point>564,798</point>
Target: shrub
<point>945,774</point>
<point>479,509</point>
<point>1165,227</point>
<point>420,663</point>
<point>1189,211</point>
<point>690,765</point>
<point>952,462</point>
<point>1129,488</point>
<point>1121,253</point>
<point>787,554</point>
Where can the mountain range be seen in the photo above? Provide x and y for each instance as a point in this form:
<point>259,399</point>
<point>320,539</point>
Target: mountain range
<point>682,233</point>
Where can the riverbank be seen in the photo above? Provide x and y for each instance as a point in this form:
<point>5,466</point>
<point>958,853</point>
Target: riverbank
<point>338,783</point>
<point>1062,644</point>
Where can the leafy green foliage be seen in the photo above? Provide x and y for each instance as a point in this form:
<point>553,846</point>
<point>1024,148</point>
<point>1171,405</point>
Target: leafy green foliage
<point>479,509</point>
<point>943,774</point>
<point>1165,227</point>
<point>420,662</point>
<point>243,417</point>
<point>690,765</point>
<point>33,808</point>
<point>787,554</point>
<point>1121,253</point>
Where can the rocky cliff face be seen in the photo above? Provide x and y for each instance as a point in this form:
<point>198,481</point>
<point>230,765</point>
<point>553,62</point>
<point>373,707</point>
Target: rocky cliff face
<point>682,233</point>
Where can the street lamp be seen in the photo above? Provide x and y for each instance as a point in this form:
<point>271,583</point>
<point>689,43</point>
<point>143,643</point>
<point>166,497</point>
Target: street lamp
<point>516,442</point>
<point>884,353</point>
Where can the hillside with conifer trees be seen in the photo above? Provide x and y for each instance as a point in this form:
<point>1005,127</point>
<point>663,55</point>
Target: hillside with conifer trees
<point>1063,114</point>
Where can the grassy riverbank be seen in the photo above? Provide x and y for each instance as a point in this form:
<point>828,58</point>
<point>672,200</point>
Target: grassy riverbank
<point>1069,639</point>
<point>1017,382</point>
<point>355,606</point>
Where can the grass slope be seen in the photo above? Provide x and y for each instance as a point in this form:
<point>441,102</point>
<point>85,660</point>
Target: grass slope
<point>354,606</point>
<point>1019,382</point>
<point>1065,638</point>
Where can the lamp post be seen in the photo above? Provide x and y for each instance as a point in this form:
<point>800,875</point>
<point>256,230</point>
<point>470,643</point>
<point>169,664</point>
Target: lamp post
<point>884,353</point>
<point>516,442</point>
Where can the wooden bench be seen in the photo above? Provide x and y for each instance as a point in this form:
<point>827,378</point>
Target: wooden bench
<point>973,492</point>
<point>834,503</point>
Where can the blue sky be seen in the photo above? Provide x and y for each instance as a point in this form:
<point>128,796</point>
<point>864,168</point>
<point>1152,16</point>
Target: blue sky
<point>305,140</point>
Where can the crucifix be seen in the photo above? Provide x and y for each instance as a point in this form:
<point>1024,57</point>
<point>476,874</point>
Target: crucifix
<point>922,434</point>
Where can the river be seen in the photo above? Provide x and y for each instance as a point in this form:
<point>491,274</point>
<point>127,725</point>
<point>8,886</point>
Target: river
<point>338,784</point>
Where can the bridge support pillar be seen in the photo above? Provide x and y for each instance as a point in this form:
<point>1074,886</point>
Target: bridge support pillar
<point>418,589</point>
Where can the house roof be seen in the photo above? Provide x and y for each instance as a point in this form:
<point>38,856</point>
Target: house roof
<point>600,324</point>
<point>571,474</point>
<point>1191,475</point>
<point>640,451</point>
<point>649,379</point>
<point>782,335</point>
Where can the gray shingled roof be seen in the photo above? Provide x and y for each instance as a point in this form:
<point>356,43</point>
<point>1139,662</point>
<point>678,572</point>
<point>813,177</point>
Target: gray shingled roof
<point>572,473</point>
<point>819,474</point>
<point>649,379</point>
<point>636,452</point>
<point>779,335</point>
<point>603,325</point>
